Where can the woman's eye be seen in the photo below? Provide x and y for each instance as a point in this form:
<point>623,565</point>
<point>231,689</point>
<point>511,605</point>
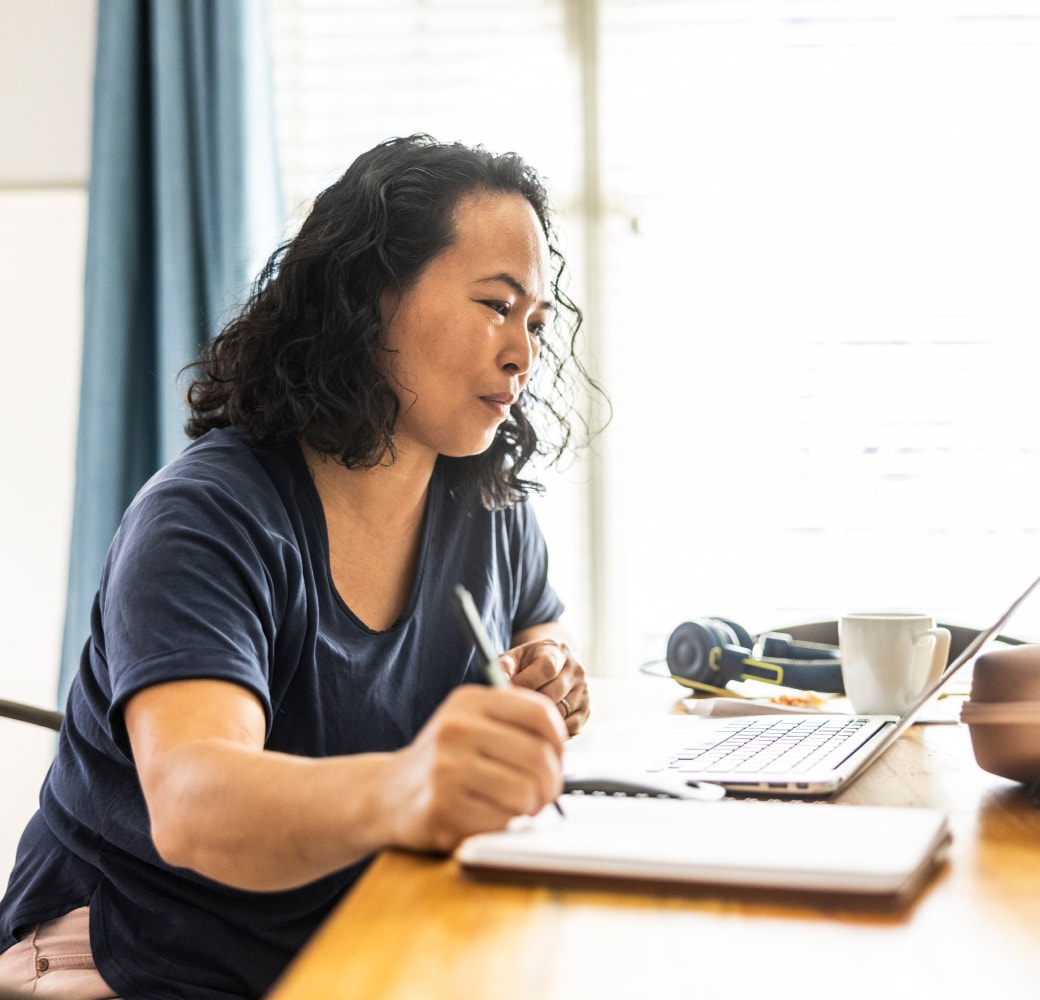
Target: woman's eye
<point>502,308</point>
<point>537,330</point>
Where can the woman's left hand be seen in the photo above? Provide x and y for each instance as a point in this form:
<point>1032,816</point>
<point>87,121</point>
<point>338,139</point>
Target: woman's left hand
<point>543,662</point>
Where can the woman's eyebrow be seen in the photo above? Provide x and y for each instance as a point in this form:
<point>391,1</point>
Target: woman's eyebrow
<point>518,286</point>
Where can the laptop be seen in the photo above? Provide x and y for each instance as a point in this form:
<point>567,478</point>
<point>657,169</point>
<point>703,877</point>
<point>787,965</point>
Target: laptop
<point>782,755</point>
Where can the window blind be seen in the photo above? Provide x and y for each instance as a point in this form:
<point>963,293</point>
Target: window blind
<point>350,73</point>
<point>815,300</point>
<point>820,317</point>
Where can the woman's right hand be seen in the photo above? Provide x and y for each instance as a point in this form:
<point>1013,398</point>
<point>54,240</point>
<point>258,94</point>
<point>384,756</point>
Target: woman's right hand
<point>485,756</point>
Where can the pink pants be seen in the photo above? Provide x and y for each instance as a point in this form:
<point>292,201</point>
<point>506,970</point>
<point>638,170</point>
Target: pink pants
<point>53,960</point>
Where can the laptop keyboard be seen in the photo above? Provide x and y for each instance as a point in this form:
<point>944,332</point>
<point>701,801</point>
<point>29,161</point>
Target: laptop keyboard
<point>773,745</point>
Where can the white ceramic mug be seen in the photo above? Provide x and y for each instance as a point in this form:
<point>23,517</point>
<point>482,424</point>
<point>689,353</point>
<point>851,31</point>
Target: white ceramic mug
<point>889,658</point>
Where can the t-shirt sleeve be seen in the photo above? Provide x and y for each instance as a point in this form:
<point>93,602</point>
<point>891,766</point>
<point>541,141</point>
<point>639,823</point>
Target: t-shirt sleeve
<point>189,591</point>
<point>537,601</point>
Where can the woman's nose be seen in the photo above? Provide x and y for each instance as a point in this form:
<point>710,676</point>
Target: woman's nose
<point>519,352</point>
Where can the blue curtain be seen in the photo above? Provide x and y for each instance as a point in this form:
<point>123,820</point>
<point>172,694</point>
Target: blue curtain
<point>184,207</point>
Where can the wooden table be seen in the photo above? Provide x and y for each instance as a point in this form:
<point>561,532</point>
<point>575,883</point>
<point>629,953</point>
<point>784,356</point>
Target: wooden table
<point>415,929</point>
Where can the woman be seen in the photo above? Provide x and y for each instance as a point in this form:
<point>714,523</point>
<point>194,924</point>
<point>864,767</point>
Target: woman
<point>275,685</point>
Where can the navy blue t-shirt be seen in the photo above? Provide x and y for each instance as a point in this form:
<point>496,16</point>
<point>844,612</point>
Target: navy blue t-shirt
<point>220,570</point>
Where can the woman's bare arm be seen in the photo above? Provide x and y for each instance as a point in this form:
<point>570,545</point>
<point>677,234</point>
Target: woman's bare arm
<point>222,805</point>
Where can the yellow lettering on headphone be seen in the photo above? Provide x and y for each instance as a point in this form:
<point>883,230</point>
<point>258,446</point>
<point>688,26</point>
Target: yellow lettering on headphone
<point>713,658</point>
<point>762,665</point>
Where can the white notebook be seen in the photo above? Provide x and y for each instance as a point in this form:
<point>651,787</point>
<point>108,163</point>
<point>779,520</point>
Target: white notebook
<point>870,850</point>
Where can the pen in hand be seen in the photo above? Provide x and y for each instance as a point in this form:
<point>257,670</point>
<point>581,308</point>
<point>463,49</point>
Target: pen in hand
<point>493,671</point>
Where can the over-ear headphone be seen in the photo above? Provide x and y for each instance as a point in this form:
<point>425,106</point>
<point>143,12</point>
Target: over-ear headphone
<point>707,653</point>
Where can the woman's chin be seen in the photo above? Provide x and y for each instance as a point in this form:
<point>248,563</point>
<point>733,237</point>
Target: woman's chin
<point>470,449</point>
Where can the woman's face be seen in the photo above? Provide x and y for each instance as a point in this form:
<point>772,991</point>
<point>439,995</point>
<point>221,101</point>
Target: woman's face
<point>463,340</point>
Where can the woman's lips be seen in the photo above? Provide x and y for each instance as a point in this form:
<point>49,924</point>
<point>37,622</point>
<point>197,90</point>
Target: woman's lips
<point>500,403</point>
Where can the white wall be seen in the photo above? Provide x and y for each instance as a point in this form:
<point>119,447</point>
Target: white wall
<point>46,74</point>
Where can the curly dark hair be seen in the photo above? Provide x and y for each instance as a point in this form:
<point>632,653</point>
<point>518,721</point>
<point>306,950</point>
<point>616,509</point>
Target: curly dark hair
<point>301,360</point>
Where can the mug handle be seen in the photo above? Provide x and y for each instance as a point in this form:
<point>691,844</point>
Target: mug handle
<point>939,639</point>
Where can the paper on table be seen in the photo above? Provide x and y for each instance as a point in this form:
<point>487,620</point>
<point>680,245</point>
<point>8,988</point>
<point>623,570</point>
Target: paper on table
<point>721,707</point>
<point>943,709</point>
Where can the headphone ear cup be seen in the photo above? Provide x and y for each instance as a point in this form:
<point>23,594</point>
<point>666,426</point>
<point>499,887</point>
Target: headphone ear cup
<point>689,651</point>
<point>741,636</point>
